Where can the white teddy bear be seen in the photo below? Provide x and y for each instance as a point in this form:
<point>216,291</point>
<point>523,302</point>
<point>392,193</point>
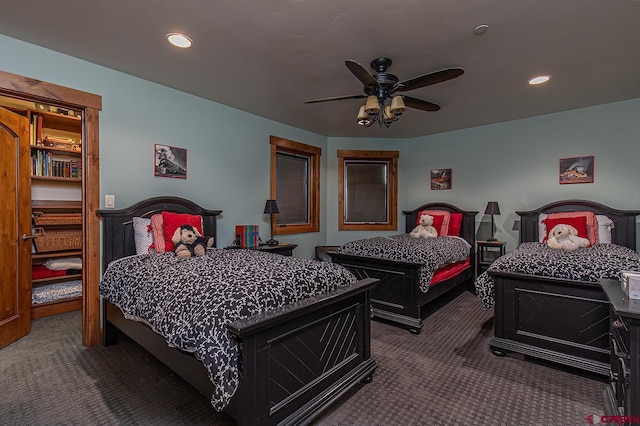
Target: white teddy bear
<point>424,229</point>
<point>566,237</point>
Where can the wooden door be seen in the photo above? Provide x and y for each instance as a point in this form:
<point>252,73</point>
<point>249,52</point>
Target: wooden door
<point>15,222</point>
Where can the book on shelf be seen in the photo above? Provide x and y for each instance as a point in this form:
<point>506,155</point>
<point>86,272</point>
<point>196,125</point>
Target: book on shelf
<point>42,164</point>
<point>36,132</point>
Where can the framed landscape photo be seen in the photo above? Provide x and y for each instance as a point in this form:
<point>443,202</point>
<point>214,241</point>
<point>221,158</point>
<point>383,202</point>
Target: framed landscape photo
<point>576,170</point>
<point>170,161</point>
<point>441,179</point>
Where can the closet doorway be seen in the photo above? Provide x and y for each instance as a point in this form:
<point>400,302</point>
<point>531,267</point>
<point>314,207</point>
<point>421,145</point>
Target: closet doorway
<point>16,125</point>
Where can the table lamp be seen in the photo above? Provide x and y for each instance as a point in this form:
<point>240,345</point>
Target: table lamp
<point>270,208</point>
<point>492,209</point>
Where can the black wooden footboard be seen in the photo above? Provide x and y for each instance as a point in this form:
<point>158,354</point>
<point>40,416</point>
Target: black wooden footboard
<point>295,360</point>
<point>556,320</point>
<point>397,297</point>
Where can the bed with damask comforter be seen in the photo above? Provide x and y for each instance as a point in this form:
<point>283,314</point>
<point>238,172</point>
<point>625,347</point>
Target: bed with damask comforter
<point>268,338</point>
<point>549,303</point>
<point>413,272</point>
<point>430,253</point>
<point>588,264</point>
<point>189,301</point>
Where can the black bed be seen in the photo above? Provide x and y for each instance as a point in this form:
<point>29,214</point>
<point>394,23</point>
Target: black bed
<point>267,393</point>
<point>397,297</point>
<point>553,319</point>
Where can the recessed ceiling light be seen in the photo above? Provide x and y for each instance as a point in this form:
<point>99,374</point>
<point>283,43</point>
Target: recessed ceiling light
<point>481,29</point>
<point>179,40</point>
<point>539,80</point>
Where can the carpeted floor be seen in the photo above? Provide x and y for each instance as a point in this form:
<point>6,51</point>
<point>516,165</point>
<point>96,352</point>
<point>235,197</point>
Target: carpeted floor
<point>444,376</point>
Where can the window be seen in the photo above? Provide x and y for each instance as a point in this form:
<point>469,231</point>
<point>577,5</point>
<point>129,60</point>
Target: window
<point>295,185</point>
<point>367,193</point>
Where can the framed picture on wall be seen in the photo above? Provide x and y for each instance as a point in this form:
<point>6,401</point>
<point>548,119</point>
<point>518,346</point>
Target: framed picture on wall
<point>576,170</point>
<point>170,161</point>
<point>441,179</point>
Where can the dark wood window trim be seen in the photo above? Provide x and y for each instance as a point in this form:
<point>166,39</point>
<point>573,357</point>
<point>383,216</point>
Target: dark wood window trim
<point>391,157</point>
<point>312,153</point>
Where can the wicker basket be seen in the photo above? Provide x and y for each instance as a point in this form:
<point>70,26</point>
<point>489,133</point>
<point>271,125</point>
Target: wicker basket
<point>40,218</point>
<point>57,239</point>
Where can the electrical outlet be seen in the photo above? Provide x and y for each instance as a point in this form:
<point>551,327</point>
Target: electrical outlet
<point>109,201</point>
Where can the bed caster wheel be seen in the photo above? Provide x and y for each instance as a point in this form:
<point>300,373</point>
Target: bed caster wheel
<point>415,330</point>
<point>368,379</point>
<point>497,352</point>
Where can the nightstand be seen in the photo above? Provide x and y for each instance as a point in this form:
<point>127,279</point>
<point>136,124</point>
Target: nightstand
<point>488,252</point>
<point>621,395</point>
<point>283,249</point>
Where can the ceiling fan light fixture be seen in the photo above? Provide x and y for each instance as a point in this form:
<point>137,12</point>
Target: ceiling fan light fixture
<point>372,106</point>
<point>388,114</point>
<point>363,118</point>
<point>397,105</point>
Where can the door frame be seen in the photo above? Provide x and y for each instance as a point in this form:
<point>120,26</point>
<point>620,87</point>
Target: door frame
<point>30,89</point>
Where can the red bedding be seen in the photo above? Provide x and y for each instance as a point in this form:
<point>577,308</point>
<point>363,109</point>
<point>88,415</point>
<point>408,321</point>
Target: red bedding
<point>450,271</point>
<point>41,271</point>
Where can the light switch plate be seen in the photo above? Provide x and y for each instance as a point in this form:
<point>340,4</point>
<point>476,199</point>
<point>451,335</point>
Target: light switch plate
<point>109,201</point>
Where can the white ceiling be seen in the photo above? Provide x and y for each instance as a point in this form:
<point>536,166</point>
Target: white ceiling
<point>267,57</point>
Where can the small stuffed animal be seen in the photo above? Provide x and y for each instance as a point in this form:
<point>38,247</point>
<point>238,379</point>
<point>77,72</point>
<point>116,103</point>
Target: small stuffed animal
<point>188,242</point>
<point>424,229</point>
<point>566,237</point>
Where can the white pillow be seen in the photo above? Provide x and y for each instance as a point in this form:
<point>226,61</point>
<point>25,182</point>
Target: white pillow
<point>64,264</point>
<point>605,225</point>
<point>542,228</point>
<point>142,234</point>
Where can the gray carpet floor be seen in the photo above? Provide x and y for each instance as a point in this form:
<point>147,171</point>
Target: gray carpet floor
<point>444,376</point>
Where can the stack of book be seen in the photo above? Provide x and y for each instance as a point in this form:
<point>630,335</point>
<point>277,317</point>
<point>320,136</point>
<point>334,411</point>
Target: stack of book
<point>247,236</point>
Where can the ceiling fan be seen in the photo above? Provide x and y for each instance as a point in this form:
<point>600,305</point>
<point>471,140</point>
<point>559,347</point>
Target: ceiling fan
<point>381,86</point>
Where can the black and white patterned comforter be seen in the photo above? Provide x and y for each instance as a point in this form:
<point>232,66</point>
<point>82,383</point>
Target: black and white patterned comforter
<point>588,264</point>
<point>189,301</point>
<point>434,253</point>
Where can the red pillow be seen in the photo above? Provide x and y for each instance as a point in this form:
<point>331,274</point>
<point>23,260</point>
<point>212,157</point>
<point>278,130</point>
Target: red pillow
<point>440,220</point>
<point>580,223</point>
<point>172,221</point>
<point>592,223</point>
<point>455,223</point>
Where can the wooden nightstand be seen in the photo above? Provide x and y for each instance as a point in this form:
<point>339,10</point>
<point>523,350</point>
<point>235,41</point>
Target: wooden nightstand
<point>488,252</point>
<point>283,249</point>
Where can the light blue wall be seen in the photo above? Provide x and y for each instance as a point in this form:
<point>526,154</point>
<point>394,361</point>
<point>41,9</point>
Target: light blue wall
<point>228,150</point>
<point>517,163</point>
<point>514,163</point>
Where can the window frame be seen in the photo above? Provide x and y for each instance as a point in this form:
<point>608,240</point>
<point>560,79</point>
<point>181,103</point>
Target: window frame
<point>312,153</point>
<point>391,158</point>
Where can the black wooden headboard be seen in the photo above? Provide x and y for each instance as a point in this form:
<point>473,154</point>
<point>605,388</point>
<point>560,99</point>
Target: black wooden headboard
<point>117,225</point>
<point>623,233</point>
<point>467,230</point>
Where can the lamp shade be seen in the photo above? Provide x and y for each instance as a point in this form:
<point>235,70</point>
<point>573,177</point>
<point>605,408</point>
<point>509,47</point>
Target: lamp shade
<point>388,114</point>
<point>492,208</point>
<point>271,207</point>
<point>363,117</point>
<point>397,105</point>
<point>372,106</point>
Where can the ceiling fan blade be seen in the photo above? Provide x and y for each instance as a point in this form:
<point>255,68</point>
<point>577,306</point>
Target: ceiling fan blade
<point>420,104</point>
<point>359,71</point>
<point>335,98</point>
<point>429,79</point>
